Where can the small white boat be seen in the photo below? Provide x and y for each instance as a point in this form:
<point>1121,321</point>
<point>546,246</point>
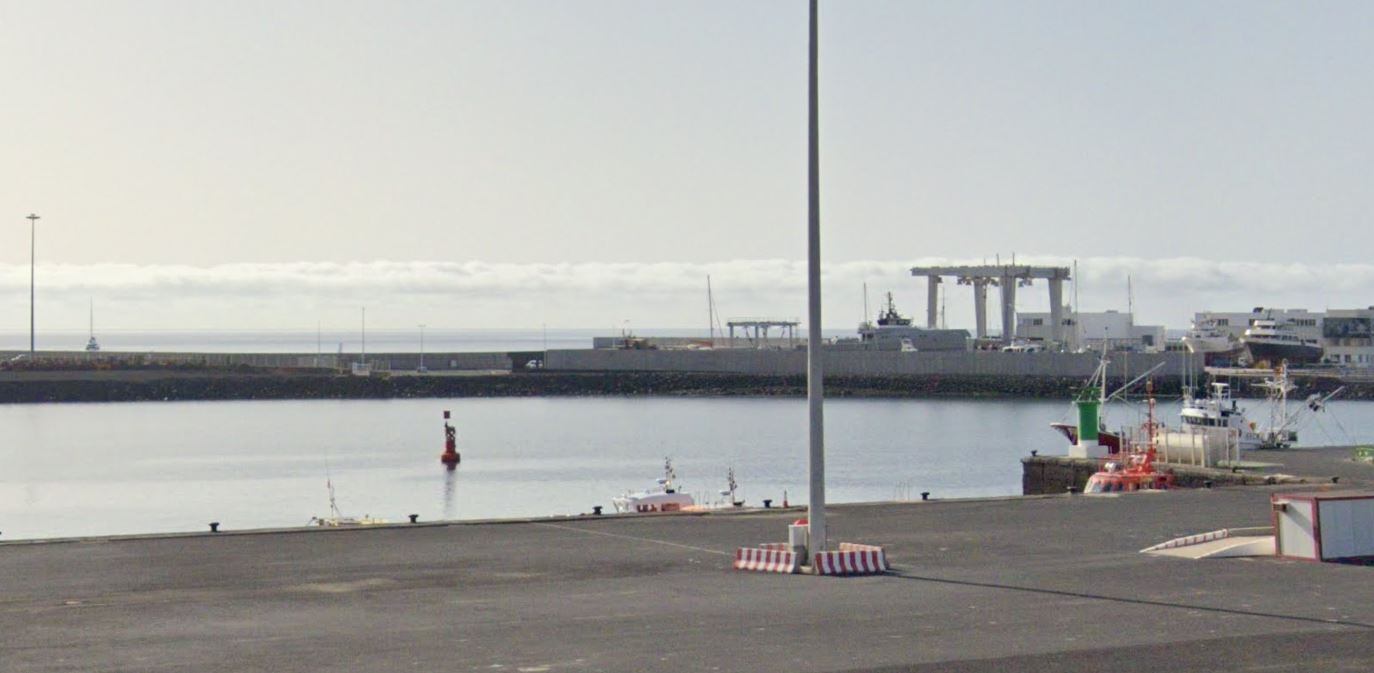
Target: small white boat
<point>336,519</point>
<point>662,497</point>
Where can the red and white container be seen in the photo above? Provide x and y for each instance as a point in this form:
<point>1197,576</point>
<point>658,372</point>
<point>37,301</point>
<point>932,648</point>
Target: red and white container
<point>1324,525</point>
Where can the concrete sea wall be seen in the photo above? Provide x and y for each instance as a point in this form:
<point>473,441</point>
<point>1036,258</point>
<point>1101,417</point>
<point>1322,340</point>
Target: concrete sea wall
<point>1041,475</point>
<point>869,363</point>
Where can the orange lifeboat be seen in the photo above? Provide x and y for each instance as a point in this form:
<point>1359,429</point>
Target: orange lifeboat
<point>1136,470</point>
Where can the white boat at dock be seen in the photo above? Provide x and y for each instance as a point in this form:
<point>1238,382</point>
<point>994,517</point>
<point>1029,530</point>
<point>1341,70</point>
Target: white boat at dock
<point>1219,410</point>
<point>662,497</point>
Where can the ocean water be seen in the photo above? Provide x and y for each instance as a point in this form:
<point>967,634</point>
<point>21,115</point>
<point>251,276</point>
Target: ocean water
<point>88,469</point>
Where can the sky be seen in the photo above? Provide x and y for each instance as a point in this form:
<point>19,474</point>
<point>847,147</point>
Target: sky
<point>512,163</point>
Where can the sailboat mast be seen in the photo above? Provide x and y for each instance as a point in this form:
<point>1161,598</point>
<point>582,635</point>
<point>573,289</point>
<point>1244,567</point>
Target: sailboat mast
<point>710,312</point>
<point>943,325</point>
<point>866,313</point>
<point>364,348</point>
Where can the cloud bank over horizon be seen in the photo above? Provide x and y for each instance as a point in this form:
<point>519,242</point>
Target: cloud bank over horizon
<point>475,294</point>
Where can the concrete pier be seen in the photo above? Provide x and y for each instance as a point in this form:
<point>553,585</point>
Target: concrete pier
<point>1017,584</point>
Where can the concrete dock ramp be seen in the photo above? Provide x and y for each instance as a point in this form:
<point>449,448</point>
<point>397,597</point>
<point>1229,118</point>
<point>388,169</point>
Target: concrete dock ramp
<point>1230,547</point>
<point>1224,543</point>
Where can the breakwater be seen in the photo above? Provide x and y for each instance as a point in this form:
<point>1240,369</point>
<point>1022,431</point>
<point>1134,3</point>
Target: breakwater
<point>132,385</point>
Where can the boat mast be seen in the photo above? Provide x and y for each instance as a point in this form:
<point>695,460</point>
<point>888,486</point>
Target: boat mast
<point>943,325</point>
<point>866,318</point>
<point>710,312</point>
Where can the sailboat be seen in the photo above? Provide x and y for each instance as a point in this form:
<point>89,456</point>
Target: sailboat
<point>92,346</point>
<point>336,519</point>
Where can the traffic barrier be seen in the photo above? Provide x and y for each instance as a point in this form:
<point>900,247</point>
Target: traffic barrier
<point>765,560</point>
<point>851,559</point>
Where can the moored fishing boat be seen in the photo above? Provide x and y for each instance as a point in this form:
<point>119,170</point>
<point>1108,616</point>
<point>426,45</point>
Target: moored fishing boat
<point>1135,469</point>
<point>663,496</point>
<point>1219,410</point>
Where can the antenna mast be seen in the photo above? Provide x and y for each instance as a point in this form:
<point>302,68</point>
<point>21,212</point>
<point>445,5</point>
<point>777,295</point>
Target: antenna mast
<point>943,325</point>
<point>1130,298</point>
<point>866,313</point>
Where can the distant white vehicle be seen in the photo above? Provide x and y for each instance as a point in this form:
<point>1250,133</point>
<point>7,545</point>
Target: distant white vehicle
<point>1025,347</point>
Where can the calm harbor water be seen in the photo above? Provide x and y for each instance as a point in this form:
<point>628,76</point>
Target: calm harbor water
<point>87,469</point>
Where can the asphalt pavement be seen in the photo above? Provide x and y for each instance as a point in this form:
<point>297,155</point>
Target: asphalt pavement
<point>1016,584</point>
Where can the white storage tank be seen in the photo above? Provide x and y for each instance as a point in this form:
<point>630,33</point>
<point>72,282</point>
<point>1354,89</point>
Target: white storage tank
<point>1324,525</point>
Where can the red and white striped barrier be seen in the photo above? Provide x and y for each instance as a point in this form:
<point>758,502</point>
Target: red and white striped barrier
<point>1189,540</point>
<point>765,560</point>
<point>1200,538</point>
<point>851,559</point>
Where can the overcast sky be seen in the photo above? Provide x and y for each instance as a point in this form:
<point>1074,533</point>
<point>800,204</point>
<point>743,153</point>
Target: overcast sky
<point>579,163</point>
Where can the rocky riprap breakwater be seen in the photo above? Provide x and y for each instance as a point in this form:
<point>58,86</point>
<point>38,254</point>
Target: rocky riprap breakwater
<point>157,384</point>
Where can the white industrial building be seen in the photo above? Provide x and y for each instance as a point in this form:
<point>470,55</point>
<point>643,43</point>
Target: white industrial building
<point>1348,337</point>
<point>1091,331</point>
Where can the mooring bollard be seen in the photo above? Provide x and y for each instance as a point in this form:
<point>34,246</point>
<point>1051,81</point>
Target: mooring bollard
<point>1207,484</point>
<point>1034,453</point>
<point>768,503</point>
<point>1335,480</point>
<point>1073,490</point>
<point>925,495</point>
<point>596,510</point>
<point>214,526</point>
<point>414,518</point>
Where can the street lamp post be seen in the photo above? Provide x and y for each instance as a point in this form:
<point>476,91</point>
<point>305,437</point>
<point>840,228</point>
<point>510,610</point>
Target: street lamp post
<point>814,374</point>
<point>33,246</point>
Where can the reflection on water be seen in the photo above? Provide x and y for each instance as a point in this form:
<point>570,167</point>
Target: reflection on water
<point>81,469</point>
<point>450,480</point>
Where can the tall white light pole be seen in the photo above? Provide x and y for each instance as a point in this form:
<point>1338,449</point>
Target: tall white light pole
<point>814,373</point>
<point>33,246</point>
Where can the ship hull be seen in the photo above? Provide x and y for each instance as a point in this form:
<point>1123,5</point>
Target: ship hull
<point>1274,353</point>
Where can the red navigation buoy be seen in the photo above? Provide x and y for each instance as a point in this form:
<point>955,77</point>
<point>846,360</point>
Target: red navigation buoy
<point>450,456</point>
